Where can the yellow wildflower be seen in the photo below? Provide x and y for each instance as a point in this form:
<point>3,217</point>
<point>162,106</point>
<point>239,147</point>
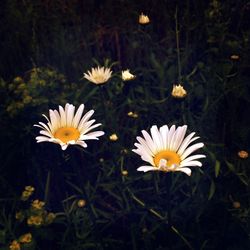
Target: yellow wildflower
<point>113,137</point>
<point>81,203</point>
<point>143,19</point>
<point>25,195</point>
<point>35,220</point>
<point>124,172</point>
<point>236,204</point>
<point>235,57</point>
<point>19,215</point>
<point>178,91</point>
<point>132,114</point>
<point>50,218</point>
<point>18,79</point>
<point>37,204</point>
<point>243,154</point>
<point>15,245</point>
<point>124,151</point>
<point>29,188</point>
<point>26,238</point>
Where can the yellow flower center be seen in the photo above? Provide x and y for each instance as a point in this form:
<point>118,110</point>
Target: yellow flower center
<point>170,156</point>
<point>66,134</point>
<point>99,78</point>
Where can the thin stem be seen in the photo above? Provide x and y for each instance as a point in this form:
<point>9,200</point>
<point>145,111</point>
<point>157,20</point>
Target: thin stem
<point>154,212</point>
<point>102,97</point>
<point>178,45</point>
<point>182,237</point>
<point>46,194</point>
<point>168,179</point>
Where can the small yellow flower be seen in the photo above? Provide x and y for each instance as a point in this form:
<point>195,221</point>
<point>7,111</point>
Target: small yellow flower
<point>127,76</point>
<point>18,79</point>
<point>243,154</point>
<point>19,215</point>
<point>143,19</point>
<point>50,218</point>
<point>124,172</point>
<point>35,220</point>
<point>25,195</point>
<point>81,203</point>
<point>15,245</point>
<point>113,137</point>
<point>124,151</point>
<point>29,188</point>
<point>236,204</point>
<point>38,204</point>
<point>26,238</point>
<point>235,57</point>
<point>178,91</point>
<point>132,114</point>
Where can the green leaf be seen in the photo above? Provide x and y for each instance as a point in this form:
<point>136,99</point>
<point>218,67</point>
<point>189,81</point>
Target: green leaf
<point>212,190</point>
<point>217,168</point>
<point>2,236</point>
<point>230,166</point>
<point>243,179</point>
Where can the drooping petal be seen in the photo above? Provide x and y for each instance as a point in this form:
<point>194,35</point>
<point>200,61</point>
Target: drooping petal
<point>147,168</point>
<point>185,170</point>
<point>191,164</point>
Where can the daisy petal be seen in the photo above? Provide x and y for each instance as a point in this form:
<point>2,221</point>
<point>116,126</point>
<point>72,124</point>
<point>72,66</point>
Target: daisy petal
<point>185,170</point>
<point>146,168</point>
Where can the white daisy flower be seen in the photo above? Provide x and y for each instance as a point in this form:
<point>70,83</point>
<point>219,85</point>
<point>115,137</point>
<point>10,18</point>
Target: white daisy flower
<point>167,150</point>
<point>98,75</point>
<point>127,76</point>
<point>67,127</point>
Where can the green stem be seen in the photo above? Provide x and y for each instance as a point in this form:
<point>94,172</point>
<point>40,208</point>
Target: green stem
<point>154,212</point>
<point>46,194</point>
<point>178,45</point>
<point>102,96</point>
<point>168,179</point>
<point>182,237</point>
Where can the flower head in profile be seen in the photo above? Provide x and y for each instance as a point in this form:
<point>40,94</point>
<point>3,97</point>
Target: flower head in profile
<point>168,150</point>
<point>127,76</point>
<point>235,57</point>
<point>15,245</point>
<point>98,75</point>
<point>143,19</point>
<point>178,91</point>
<point>113,137</point>
<point>26,238</point>
<point>65,127</point>
<point>243,154</point>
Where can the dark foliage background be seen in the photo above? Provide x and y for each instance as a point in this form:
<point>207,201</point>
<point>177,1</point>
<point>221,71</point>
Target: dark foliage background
<point>46,46</point>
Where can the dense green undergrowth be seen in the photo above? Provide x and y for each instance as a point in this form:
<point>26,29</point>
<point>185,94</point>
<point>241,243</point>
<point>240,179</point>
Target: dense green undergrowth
<point>94,197</point>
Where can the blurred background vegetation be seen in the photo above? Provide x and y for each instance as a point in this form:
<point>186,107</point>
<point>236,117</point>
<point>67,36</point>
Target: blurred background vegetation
<point>98,198</point>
